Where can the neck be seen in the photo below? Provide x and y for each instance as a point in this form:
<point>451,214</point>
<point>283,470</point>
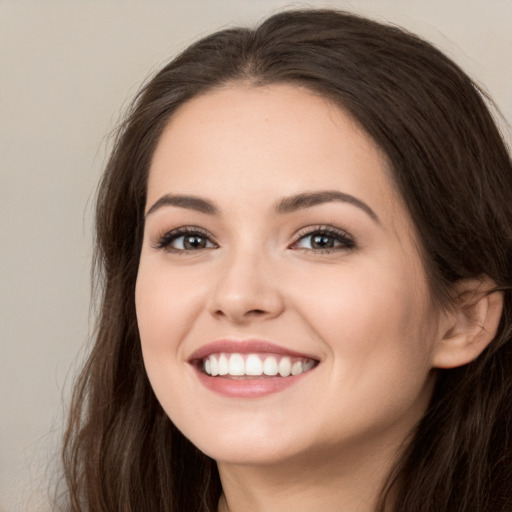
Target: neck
<point>353,484</point>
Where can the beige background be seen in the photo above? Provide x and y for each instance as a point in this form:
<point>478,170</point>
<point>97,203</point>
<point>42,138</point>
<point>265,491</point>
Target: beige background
<point>66,70</point>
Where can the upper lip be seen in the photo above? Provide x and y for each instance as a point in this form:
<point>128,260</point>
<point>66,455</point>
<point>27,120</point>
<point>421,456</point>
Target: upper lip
<point>247,346</point>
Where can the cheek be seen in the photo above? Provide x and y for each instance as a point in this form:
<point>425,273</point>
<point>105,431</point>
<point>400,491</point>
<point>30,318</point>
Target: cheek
<point>376,324</point>
<point>166,306</point>
<point>380,373</point>
<point>369,300</point>
<point>166,302</point>
<point>163,295</point>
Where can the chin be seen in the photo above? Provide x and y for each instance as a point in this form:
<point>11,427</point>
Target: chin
<point>250,446</point>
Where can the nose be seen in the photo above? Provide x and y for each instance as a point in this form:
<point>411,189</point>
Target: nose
<point>246,289</point>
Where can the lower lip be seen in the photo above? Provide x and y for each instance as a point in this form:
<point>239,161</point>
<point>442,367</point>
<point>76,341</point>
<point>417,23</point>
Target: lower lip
<point>248,388</point>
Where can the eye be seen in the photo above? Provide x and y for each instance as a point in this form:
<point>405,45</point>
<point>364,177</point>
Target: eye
<point>186,239</point>
<point>323,239</point>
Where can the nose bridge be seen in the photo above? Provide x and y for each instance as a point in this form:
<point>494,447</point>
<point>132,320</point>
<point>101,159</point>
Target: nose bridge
<point>244,285</point>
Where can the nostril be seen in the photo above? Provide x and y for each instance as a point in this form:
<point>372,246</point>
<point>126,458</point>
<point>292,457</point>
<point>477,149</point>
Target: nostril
<point>247,314</point>
<point>219,312</point>
<point>245,305</point>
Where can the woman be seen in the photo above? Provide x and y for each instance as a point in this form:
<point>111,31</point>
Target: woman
<point>304,242</point>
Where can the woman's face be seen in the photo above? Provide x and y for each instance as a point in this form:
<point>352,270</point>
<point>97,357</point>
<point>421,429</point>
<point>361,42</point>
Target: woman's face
<point>282,305</point>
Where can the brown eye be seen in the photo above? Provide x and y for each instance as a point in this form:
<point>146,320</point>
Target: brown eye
<point>184,240</point>
<point>324,240</point>
<point>191,242</point>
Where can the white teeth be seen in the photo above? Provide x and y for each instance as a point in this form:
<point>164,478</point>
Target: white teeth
<point>285,367</point>
<point>270,366</point>
<point>214,366</point>
<point>255,365</point>
<point>296,368</point>
<point>308,365</point>
<point>223,365</point>
<point>236,365</point>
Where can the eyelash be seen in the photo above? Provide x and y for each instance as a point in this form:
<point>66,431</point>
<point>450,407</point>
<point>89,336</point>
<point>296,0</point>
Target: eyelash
<point>164,241</point>
<point>344,240</point>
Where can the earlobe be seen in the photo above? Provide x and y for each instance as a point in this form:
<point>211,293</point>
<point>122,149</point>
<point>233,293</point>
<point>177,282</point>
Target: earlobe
<point>470,324</point>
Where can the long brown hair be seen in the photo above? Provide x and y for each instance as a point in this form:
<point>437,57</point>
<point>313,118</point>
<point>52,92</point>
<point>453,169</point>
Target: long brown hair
<point>450,164</point>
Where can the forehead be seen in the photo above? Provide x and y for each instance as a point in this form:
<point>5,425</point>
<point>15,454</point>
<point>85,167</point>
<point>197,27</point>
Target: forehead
<point>256,136</point>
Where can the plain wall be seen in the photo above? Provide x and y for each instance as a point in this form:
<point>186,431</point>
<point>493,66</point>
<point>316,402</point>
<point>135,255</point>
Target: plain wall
<point>66,70</point>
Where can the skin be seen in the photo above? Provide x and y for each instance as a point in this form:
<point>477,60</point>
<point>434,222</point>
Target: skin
<point>364,312</point>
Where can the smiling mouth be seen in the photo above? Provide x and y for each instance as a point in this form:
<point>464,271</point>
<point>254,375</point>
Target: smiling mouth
<point>254,366</point>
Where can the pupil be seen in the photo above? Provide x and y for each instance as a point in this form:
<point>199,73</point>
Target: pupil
<point>322,241</point>
<point>194,242</point>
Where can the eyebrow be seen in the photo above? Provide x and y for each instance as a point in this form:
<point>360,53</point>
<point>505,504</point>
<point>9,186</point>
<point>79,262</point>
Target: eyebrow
<point>286,205</point>
<point>309,199</point>
<point>189,202</point>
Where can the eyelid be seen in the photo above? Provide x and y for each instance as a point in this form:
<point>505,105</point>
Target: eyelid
<point>166,237</point>
<point>348,241</point>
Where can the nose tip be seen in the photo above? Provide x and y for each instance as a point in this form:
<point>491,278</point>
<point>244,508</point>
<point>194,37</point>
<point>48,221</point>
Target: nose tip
<point>245,292</point>
<point>245,307</point>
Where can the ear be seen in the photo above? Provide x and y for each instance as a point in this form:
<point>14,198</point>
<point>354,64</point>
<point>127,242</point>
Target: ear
<point>470,324</point>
